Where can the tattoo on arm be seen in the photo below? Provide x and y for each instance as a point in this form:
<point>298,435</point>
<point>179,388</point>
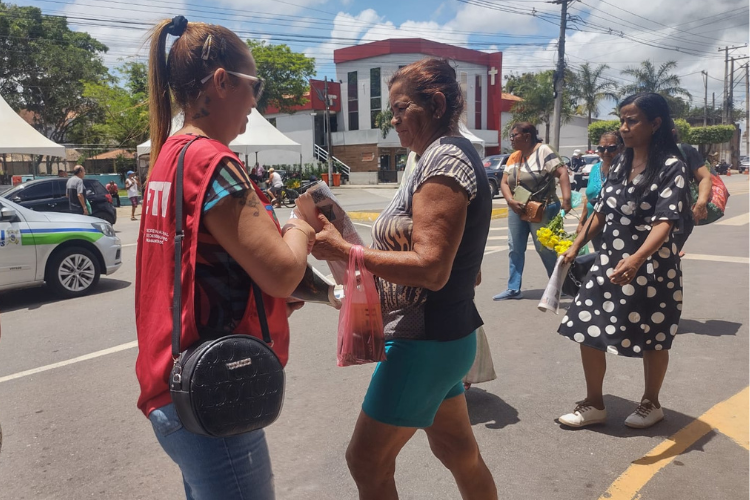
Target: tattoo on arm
<point>248,198</point>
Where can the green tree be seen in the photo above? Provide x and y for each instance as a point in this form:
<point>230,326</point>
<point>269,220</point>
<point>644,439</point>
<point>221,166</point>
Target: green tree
<point>537,91</point>
<point>660,81</point>
<point>383,122</point>
<point>43,67</point>
<point>286,74</point>
<point>590,89</point>
<point>124,116</point>
<point>121,116</point>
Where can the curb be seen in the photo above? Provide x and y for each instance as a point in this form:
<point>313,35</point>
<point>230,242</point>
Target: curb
<point>370,216</point>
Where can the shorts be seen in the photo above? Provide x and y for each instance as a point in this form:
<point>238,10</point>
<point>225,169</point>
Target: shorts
<point>408,388</point>
<point>134,201</point>
<point>275,190</point>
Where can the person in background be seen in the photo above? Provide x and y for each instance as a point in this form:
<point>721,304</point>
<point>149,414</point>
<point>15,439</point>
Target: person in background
<point>76,192</point>
<point>630,302</point>
<point>231,240</point>
<point>577,161</point>
<point>132,184</point>
<point>427,251</point>
<point>534,167</point>
<point>275,185</point>
<point>114,191</point>
<point>254,174</point>
<point>261,172</point>
<point>610,145</point>
<point>62,173</point>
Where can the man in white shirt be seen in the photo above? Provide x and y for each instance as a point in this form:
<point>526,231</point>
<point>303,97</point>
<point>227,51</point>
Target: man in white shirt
<point>132,184</point>
<point>275,184</point>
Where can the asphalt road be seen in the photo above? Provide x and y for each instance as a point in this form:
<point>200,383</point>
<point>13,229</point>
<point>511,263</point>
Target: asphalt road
<point>73,431</point>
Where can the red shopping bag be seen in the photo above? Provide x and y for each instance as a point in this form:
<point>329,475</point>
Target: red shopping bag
<point>360,337</point>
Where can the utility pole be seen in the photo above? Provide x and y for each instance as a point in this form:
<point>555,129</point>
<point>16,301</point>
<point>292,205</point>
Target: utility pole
<point>726,116</point>
<point>730,99</point>
<point>726,84</point>
<point>328,134</point>
<point>705,98</point>
<point>559,75</point>
<point>713,108</point>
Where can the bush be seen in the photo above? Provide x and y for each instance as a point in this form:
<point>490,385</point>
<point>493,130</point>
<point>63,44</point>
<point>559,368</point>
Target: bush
<point>716,134</point>
<point>596,129</point>
<point>683,130</point>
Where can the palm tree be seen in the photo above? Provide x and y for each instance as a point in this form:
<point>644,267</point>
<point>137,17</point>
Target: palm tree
<point>383,122</point>
<point>649,79</point>
<point>539,102</point>
<point>589,86</point>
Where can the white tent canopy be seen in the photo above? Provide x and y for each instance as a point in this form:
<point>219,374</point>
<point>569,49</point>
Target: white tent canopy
<point>17,136</point>
<point>259,136</point>
<point>476,141</point>
<point>145,148</point>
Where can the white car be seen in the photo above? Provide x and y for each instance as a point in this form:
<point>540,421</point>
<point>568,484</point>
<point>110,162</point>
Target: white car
<point>68,252</point>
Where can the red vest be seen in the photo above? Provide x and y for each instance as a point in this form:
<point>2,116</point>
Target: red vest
<point>155,268</point>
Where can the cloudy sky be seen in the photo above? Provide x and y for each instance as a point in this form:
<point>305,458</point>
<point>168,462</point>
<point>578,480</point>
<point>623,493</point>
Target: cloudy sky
<point>617,33</point>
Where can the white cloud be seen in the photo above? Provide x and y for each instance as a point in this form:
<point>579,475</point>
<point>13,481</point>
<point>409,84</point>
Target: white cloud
<point>369,26</point>
<point>702,36</point>
<point>125,43</point>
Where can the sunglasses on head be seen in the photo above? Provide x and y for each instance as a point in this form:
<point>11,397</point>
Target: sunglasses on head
<point>256,82</point>
<point>608,149</point>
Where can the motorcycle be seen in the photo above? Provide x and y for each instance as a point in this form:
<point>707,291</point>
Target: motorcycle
<point>722,168</point>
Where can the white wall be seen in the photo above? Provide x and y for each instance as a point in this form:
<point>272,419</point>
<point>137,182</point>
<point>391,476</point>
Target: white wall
<point>299,128</point>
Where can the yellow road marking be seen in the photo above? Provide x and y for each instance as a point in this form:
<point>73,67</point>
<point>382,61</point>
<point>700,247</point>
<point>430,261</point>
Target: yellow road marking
<point>729,417</point>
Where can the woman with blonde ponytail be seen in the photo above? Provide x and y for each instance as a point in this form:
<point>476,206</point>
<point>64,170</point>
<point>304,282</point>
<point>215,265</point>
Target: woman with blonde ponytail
<point>231,240</point>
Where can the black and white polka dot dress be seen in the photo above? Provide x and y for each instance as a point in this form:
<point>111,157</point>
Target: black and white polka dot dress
<point>644,314</point>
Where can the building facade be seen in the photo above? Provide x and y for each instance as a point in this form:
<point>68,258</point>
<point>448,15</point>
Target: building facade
<point>360,92</point>
<point>364,71</point>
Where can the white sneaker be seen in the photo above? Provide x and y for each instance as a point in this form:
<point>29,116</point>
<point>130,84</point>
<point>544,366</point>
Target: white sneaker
<point>645,415</point>
<point>583,415</point>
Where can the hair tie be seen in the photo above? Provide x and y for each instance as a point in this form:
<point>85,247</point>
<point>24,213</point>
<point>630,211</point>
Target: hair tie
<point>177,26</point>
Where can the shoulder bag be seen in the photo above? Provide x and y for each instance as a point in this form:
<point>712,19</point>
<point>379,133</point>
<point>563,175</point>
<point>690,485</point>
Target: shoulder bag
<point>580,268</point>
<point>225,386</point>
<point>533,211</point>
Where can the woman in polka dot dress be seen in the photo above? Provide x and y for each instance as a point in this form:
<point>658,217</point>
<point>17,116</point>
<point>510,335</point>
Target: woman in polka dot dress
<point>631,300</point>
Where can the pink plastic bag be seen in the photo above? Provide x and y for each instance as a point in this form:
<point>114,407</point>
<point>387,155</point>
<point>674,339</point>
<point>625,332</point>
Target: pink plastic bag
<point>361,337</point>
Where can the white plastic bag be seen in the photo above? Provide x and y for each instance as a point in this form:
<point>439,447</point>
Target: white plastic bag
<point>483,369</point>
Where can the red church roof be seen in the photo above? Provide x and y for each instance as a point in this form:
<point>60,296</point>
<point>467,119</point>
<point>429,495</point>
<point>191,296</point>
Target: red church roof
<point>410,46</point>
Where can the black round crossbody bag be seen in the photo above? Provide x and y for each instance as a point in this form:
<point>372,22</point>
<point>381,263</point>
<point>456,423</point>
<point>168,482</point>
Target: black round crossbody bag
<point>228,385</point>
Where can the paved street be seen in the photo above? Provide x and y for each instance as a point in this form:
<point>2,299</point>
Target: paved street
<point>71,429</point>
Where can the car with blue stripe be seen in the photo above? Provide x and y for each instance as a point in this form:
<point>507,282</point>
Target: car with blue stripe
<point>67,252</point>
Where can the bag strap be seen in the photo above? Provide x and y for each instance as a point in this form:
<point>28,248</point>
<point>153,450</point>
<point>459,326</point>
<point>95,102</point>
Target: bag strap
<point>588,226</point>
<point>258,294</point>
<point>177,299</point>
<point>178,237</point>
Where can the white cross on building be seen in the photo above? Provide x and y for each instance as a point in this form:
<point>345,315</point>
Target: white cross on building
<point>492,72</point>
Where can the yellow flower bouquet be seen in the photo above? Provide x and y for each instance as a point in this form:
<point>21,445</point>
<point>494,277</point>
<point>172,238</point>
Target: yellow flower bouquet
<point>554,236</point>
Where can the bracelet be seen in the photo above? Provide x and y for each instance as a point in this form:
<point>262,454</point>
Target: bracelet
<point>288,227</point>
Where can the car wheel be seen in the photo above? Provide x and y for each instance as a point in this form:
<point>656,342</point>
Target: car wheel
<point>493,188</point>
<point>105,216</point>
<point>72,272</point>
